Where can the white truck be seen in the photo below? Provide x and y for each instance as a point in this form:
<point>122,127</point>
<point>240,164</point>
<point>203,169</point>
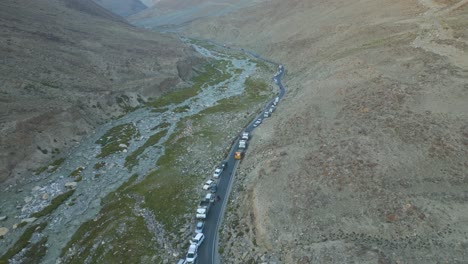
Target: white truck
<point>245,136</point>
<point>203,209</point>
<point>266,114</point>
<point>243,144</point>
<point>276,101</point>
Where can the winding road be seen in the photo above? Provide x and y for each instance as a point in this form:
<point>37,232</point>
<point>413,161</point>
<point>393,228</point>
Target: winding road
<point>208,250</point>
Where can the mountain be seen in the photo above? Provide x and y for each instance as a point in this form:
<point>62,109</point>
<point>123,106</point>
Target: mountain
<point>122,7</point>
<point>365,159</point>
<point>177,12</point>
<point>68,66</point>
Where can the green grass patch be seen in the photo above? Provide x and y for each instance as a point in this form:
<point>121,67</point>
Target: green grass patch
<point>167,193</point>
<point>36,252</point>
<point>131,246</point>
<point>212,74</point>
<point>256,90</point>
<point>54,166</point>
<point>132,159</point>
<point>161,126</point>
<point>22,242</point>
<point>181,109</point>
<point>111,140</point>
<point>56,202</point>
<point>159,110</point>
<point>22,224</point>
<point>203,44</point>
<point>99,165</point>
<point>76,172</point>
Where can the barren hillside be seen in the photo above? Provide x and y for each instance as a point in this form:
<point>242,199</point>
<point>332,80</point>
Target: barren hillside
<point>169,13</point>
<point>366,159</point>
<point>68,65</point>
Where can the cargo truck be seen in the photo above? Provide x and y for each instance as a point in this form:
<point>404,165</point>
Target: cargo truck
<point>245,136</point>
<point>243,144</point>
<point>239,155</point>
<point>203,208</point>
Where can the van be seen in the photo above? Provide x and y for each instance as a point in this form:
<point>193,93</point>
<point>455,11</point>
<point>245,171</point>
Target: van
<point>197,239</point>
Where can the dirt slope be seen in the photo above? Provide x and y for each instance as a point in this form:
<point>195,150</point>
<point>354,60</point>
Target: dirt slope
<point>68,65</point>
<point>365,161</point>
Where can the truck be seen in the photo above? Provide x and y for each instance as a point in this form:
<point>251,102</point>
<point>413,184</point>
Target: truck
<point>266,114</point>
<point>276,101</point>
<point>203,208</point>
<point>245,136</point>
<point>243,144</point>
<point>239,155</point>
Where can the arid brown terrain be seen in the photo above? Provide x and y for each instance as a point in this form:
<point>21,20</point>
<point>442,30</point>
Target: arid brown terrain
<point>366,159</point>
<point>68,65</point>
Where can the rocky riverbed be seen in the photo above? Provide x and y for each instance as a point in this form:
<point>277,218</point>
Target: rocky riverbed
<point>92,178</point>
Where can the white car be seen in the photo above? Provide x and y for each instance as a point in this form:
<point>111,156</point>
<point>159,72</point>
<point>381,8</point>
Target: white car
<point>191,254</point>
<point>209,197</point>
<point>217,173</point>
<point>207,184</point>
<point>257,123</point>
<point>197,239</point>
<point>199,227</point>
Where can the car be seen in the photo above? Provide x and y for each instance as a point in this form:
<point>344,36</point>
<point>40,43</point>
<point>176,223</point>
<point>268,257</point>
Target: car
<point>223,165</point>
<point>210,197</point>
<point>197,239</point>
<point>217,173</point>
<point>199,227</point>
<point>257,123</point>
<point>214,188</point>
<point>191,254</point>
<point>207,184</point>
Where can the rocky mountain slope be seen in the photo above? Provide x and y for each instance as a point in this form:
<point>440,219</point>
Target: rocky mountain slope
<point>122,7</point>
<point>67,66</point>
<point>176,12</point>
<point>365,161</point>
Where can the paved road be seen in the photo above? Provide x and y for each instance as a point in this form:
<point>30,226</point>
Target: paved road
<point>208,250</point>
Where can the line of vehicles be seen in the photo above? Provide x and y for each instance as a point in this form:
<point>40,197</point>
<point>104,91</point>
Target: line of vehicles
<point>202,212</point>
<point>211,185</point>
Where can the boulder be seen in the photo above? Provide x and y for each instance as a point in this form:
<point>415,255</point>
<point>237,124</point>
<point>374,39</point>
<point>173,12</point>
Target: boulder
<point>29,220</point>
<point>45,196</point>
<point>71,184</point>
<point>28,199</point>
<point>123,146</point>
<point>3,231</point>
<point>3,218</point>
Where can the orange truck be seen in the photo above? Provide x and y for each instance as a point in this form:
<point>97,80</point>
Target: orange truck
<point>238,155</point>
